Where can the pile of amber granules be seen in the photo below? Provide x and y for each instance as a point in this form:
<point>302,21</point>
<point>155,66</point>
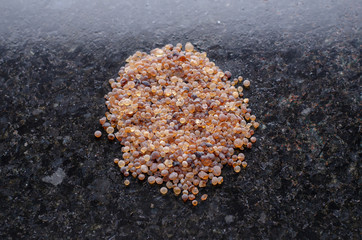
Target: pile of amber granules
<point>179,120</point>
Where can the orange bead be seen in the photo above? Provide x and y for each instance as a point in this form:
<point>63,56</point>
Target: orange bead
<point>97,134</point>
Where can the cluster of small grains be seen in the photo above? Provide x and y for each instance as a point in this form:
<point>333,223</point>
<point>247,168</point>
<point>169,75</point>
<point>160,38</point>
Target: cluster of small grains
<point>179,119</point>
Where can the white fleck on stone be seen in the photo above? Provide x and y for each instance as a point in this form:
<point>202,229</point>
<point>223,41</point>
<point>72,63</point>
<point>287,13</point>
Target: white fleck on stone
<point>229,219</point>
<point>36,112</point>
<point>56,178</point>
<point>306,111</point>
<point>262,218</point>
<point>67,140</point>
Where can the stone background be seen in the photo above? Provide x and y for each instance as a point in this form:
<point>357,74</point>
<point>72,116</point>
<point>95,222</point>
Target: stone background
<point>303,58</point>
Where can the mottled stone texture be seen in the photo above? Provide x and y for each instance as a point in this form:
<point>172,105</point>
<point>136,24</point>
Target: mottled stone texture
<point>304,175</point>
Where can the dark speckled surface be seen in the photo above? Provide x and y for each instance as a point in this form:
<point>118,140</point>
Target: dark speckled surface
<point>304,175</point>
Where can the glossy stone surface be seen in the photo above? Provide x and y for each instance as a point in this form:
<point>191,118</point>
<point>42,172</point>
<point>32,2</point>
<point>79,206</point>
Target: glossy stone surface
<point>303,177</point>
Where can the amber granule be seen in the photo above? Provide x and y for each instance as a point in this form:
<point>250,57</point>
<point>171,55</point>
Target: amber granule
<point>179,119</point>
<point>97,134</point>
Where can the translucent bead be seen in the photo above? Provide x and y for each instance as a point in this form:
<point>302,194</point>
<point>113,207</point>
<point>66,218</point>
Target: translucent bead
<point>204,197</point>
<point>189,47</point>
<point>216,170</point>
<point>97,134</point>
<point>144,168</point>
<point>177,190</point>
<point>238,143</point>
<point>163,190</point>
<point>110,130</point>
<point>151,179</point>
<point>121,163</point>
<point>185,197</point>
